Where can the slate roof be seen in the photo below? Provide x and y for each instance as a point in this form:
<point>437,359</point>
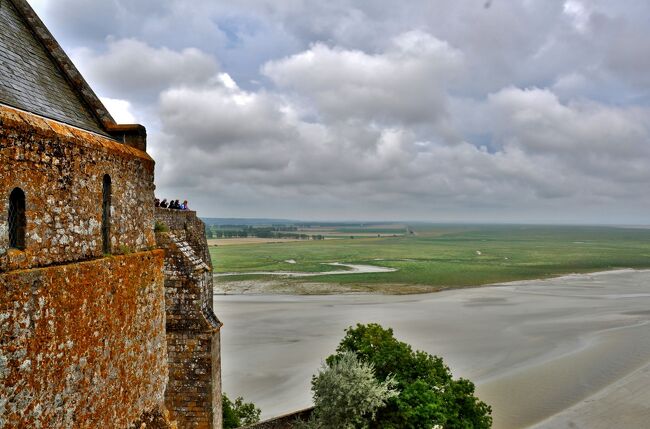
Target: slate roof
<point>37,76</point>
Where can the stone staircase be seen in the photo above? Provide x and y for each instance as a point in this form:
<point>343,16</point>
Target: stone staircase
<point>198,264</point>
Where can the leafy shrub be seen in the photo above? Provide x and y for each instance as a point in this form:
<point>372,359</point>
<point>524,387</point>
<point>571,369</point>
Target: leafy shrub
<point>347,394</point>
<point>160,227</point>
<point>428,397</point>
<point>239,413</point>
<point>124,249</point>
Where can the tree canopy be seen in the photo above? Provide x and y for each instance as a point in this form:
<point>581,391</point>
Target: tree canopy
<point>239,413</point>
<point>428,394</point>
<point>346,393</point>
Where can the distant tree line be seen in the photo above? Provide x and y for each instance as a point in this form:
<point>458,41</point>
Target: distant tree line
<point>274,231</point>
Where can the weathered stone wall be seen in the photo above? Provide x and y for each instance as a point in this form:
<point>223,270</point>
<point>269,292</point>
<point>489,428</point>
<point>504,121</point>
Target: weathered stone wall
<point>175,220</point>
<point>193,394</point>
<point>82,334</point>
<point>83,345</point>
<point>157,419</point>
<point>60,168</point>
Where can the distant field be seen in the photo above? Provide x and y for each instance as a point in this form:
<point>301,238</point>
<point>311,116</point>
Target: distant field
<point>247,240</point>
<point>447,256</point>
<point>338,234</point>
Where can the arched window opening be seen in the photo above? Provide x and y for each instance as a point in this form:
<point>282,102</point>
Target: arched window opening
<point>106,214</point>
<point>17,219</point>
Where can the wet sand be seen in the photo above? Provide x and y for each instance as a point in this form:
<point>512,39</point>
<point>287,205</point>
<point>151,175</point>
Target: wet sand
<point>284,286</point>
<point>567,352</point>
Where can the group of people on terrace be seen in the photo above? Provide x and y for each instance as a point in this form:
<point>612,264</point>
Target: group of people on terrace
<point>173,204</point>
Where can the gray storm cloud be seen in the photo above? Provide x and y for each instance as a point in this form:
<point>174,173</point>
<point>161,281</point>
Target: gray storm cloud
<point>521,111</point>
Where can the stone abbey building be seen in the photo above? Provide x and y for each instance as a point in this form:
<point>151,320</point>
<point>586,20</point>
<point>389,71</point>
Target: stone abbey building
<point>104,322</point>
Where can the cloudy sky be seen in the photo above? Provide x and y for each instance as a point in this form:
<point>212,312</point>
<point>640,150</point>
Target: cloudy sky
<point>443,110</point>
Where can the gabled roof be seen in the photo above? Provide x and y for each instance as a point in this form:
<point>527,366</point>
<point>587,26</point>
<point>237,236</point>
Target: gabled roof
<point>36,75</point>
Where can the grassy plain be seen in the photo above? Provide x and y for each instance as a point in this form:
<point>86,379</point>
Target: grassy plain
<point>440,256</point>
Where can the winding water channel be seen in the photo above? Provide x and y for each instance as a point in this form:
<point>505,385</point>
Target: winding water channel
<point>537,350</point>
<point>349,269</point>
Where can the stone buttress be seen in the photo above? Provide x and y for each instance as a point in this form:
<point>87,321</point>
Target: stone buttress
<point>193,394</point>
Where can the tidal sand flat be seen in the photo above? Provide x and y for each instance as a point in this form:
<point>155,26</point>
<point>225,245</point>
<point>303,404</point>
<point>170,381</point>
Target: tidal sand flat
<point>541,352</point>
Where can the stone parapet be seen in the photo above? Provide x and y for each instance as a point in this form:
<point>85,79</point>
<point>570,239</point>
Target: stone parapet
<point>187,226</point>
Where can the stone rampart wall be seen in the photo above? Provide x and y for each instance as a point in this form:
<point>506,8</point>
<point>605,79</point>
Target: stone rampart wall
<point>193,394</point>
<point>83,345</point>
<point>175,220</point>
<point>186,225</point>
<point>61,169</point>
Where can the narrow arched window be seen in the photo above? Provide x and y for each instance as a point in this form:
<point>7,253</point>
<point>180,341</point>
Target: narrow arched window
<point>106,214</point>
<point>17,219</point>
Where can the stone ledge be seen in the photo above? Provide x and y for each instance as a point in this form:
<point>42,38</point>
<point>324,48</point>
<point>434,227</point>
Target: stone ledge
<point>30,123</point>
<point>157,252</point>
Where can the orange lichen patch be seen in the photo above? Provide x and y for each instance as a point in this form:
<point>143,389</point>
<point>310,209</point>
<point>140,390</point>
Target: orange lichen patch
<point>36,122</point>
<point>10,114</point>
<point>61,129</point>
<point>83,345</point>
<point>158,419</point>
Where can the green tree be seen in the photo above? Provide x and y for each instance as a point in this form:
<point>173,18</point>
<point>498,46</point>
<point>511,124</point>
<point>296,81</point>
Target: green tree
<point>347,394</point>
<point>428,395</point>
<point>239,413</point>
